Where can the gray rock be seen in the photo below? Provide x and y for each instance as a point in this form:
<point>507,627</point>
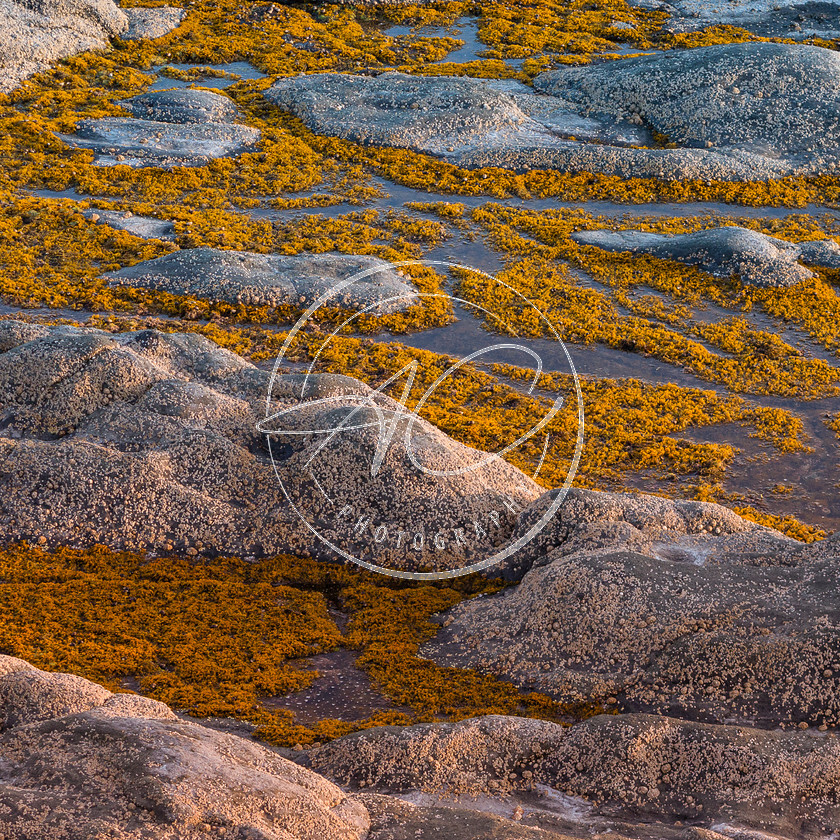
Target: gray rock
<point>793,19</point>
<point>124,765</point>
<point>271,279</point>
<point>572,125</point>
<point>151,22</point>
<point>183,106</point>
<point>738,98</point>
<point>667,606</point>
<point>142,226</point>
<point>151,143</point>
<point>758,259</point>
<point>607,776</point>
<point>148,440</point>
<point>37,33</point>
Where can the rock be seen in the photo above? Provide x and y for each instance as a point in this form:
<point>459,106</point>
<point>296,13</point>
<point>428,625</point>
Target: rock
<point>145,439</point>
<point>758,259</point>
<point>183,106</point>
<point>151,22</point>
<point>141,226</point>
<point>28,695</point>
<point>271,279</point>
<point>37,33</point>
<point>663,615</point>
<point>396,819</point>
<point>150,143</point>
<point>110,765</point>
<point>577,124</point>
<point>769,18</point>
<point>610,774</point>
<point>472,757</point>
<point>690,97</point>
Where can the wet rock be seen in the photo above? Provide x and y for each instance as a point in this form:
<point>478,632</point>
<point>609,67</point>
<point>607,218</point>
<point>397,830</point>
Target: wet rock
<point>687,616</point>
<point>37,33</point>
<point>591,118</point>
<point>151,22</point>
<point>183,106</point>
<point>142,226</point>
<point>758,259</point>
<point>396,819</point>
<point>133,142</point>
<point>610,774</point>
<point>740,99</point>
<point>109,765</point>
<point>272,279</point>
<point>147,440</point>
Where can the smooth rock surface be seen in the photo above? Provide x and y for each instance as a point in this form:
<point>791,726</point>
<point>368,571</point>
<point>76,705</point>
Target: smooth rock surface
<point>78,762</point>
<point>272,279</point>
<point>148,440</point>
<point>704,617</point>
<point>37,33</point>
<point>135,142</point>
<point>758,259</point>
<point>151,22</point>
<point>142,226</point>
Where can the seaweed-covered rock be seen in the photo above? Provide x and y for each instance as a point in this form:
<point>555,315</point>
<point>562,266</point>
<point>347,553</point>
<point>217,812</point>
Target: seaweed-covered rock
<point>37,33</point>
<point>150,440</point>
<point>610,774</point>
<point>78,762</point>
<point>594,118</point>
<point>749,98</point>
<point>695,619</point>
<point>154,22</point>
<point>758,259</point>
<point>183,106</point>
<point>272,279</point>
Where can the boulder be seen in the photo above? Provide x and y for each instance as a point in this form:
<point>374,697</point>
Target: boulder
<point>272,279</point>
<point>758,259</point>
<point>78,762</point>
<point>698,617</point>
<point>37,33</point>
<point>595,117</point>
<point>149,440</point>
<point>610,774</point>
<point>751,98</point>
<point>183,106</point>
<point>151,22</point>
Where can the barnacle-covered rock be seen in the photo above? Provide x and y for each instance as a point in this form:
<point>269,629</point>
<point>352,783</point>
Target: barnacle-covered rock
<point>37,33</point>
<point>739,99</point>
<point>758,259</point>
<point>77,762</point>
<point>734,112</point>
<point>150,440</point>
<point>274,279</point>
<point>609,774</point>
<point>672,607</point>
<point>153,22</point>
